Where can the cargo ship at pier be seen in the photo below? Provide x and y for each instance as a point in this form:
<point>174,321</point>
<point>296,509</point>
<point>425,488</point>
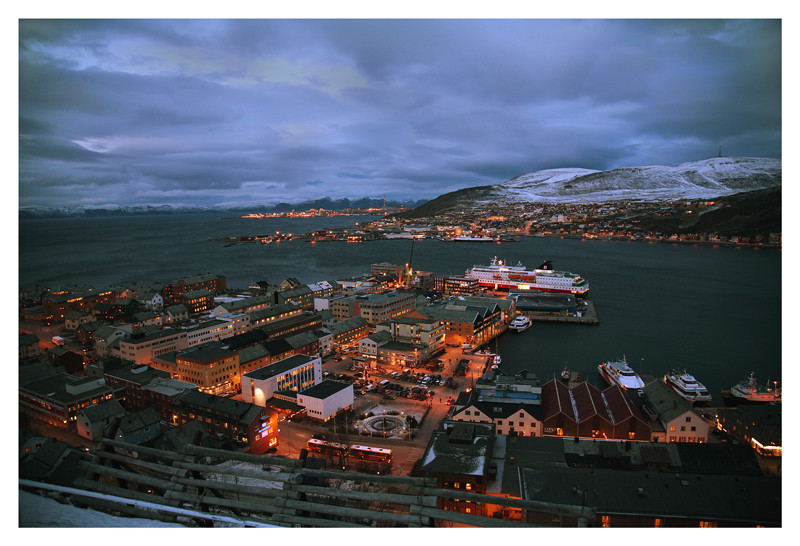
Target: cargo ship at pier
<point>497,275</point>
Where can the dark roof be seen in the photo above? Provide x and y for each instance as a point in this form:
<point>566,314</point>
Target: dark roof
<point>103,410</point>
<point>28,339</point>
<point>501,410</point>
<point>246,339</point>
<point>136,374</point>
<point>461,448</point>
<point>279,367</point>
<point>206,352</point>
<point>738,500</point>
<point>137,421</point>
<point>325,389</point>
<point>241,411</point>
<point>585,401</point>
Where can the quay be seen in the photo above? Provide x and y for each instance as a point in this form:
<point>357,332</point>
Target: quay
<point>588,315</point>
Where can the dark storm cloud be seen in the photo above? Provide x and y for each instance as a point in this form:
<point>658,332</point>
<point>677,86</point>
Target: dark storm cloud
<point>207,111</point>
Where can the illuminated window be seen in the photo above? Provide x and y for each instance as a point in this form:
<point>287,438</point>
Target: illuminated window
<point>659,523</point>
<point>708,524</point>
<point>606,521</point>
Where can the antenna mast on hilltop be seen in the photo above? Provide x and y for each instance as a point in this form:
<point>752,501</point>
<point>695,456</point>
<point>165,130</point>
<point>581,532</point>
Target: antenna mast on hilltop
<point>720,150</point>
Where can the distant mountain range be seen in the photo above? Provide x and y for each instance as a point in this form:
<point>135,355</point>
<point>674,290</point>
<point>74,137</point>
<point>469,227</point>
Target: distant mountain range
<point>707,179</point>
<point>324,203</point>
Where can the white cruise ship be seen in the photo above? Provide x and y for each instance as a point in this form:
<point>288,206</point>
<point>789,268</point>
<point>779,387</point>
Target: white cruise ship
<point>498,275</point>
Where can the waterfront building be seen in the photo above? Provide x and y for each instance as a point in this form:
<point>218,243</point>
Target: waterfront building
<point>172,291</point>
<point>456,286</point>
<point>590,483</point>
<point>251,425</point>
<point>295,373</point>
<point>756,426</point>
<point>326,400</point>
<point>141,348</point>
<point>151,299</point>
<point>584,411</point>
<point>301,296</point>
<point>673,418</point>
<point>56,304</point>
<point>473,320</point>
<point>196,301</point>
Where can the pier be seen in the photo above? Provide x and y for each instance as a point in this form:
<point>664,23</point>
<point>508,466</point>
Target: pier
<point>589,316</point>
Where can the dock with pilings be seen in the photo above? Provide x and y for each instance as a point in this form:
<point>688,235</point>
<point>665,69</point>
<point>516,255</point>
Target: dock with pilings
<point>588,315</point>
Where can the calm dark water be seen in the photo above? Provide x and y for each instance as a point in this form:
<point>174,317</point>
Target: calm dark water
<point>714,311</point>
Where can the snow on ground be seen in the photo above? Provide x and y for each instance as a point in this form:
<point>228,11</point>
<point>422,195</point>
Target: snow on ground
<point>38,511</point>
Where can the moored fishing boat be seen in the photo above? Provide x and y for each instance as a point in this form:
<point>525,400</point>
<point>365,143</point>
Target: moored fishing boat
<point>748,391</point>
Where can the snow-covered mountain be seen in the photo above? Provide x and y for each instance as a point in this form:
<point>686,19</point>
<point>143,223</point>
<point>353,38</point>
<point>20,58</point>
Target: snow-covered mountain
<point>710,178</point>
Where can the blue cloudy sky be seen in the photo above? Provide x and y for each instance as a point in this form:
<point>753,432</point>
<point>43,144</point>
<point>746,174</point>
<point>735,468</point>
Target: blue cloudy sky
<point>252,111</point>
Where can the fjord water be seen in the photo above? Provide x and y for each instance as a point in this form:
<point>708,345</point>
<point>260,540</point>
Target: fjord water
<point>715,311</point>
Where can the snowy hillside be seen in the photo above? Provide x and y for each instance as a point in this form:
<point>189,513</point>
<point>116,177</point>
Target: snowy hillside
<point>710,178</point>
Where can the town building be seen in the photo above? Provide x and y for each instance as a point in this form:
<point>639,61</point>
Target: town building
<point>197,301</point>
<point>671,417</point>
<point>56,304</point>
<point>279,329</point>
<point>456,286</point>
<point>326,400</point>
<point>141,348</point>
<point>252,426</point>
<point>368,346</point>
<point>472,320</point>
<point>754,425</point>
<point>274,313</point>
<point>139,427</point>
<point>131,380</point>
<point>348,332</point>
<point>57,399</point>
<point>160,393</point>
<point>29,346</point>
<point>173,290</point>
<point>93,421</point>
<point>241,306</point>
<point>211,366</point>
<point>175,314</point>
<point>459,455</point>
<point>295,373</point>
<point>373,308</point>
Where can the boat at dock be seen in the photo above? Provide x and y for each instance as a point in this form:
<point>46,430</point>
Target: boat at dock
<point>520,323</point>
<point>748,391</point>
<point>497,275</point>
<point>566,374</point>
<point>618,372</point>
<point>687,386</point>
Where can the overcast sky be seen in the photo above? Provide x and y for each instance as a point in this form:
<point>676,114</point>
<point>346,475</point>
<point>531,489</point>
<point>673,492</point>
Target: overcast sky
<point>237,112</point>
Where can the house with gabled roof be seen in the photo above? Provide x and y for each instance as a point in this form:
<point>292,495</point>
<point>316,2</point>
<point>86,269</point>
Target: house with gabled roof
<point>679,421</point>
<point>93,421</point>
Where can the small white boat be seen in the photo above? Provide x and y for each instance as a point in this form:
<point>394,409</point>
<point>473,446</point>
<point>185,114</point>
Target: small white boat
<point>520,324</point>
<point>619,373</point>
<point>687,386</point>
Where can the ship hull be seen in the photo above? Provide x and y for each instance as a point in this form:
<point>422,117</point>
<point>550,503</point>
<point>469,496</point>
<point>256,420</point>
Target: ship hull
<point>510,285</point>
